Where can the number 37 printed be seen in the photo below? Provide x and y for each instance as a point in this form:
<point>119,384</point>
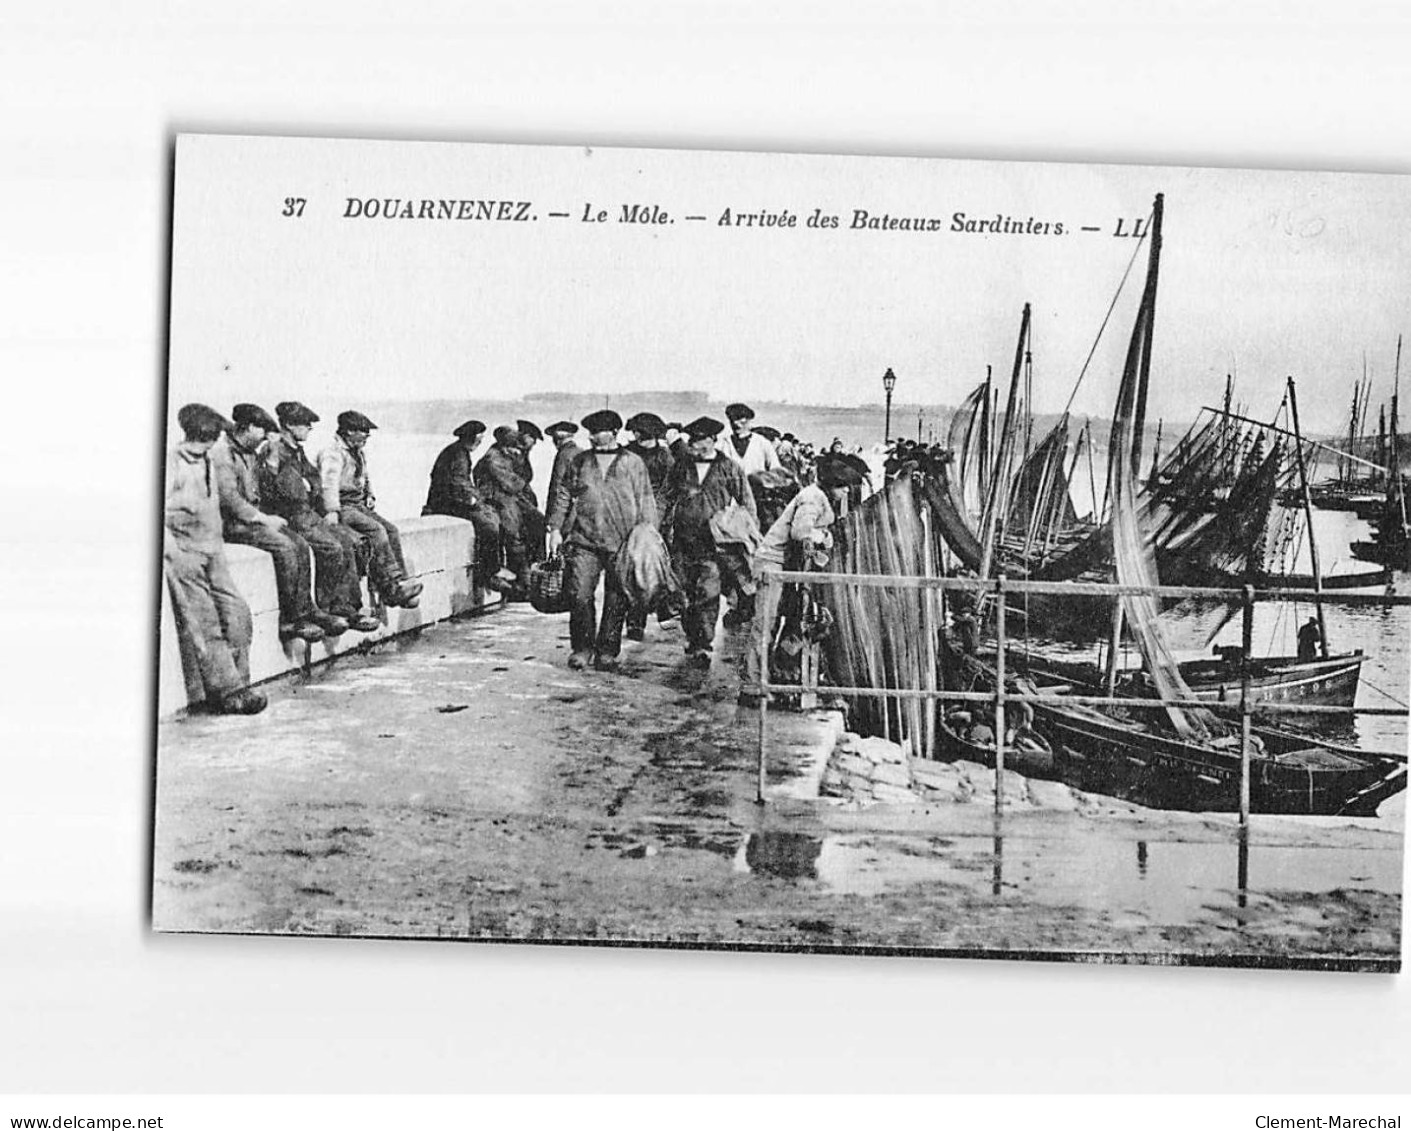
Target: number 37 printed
<point>294,205</point>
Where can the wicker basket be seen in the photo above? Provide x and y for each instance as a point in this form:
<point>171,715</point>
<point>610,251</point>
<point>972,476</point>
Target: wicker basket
<point>548,591</point>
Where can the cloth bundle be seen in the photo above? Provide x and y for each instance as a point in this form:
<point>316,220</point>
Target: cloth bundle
<point>643,567</point>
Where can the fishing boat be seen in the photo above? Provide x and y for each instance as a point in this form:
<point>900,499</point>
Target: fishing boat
<point>1125,756</point>
<point>1180,756</point>
<point>1026,752</point>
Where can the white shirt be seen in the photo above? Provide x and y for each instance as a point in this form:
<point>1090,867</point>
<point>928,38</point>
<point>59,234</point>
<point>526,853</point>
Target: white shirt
<point>759,454</point>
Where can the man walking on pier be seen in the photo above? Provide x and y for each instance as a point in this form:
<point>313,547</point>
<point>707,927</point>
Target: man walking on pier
<point>561,433</point>
<point>212,619</point>
<point>348,499</point>
<point>604,493</point>
<point>291,488</point>
<point>702,486</point>
<point>239,461</point>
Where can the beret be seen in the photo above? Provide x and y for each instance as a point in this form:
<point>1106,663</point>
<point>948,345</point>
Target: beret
<point>703,427</point>
<point>561,427</point>
<point>604,420</point>
<point>470,428</point>
<point>738,411</point>
<point>648,423</point>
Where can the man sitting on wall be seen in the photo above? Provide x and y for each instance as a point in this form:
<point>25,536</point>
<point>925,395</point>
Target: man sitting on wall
<point>500,477</point>
<point>239,460</point>
<point>453,491</point>
<point>212,620</point>
<point>348,499</point>
<point>290,487</point>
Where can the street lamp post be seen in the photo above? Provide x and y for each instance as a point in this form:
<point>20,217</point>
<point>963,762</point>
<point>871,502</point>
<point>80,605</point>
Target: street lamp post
<point>920,413</point>
<point>889,382</point>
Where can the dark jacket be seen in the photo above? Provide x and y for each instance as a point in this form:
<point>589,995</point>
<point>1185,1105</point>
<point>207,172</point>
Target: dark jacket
<point>691,501</point>
<point>659,461</point>
<point>598,511</point>
<point>289,483</point>
<point>562,458</point>
<point>498,476</point>
<point>453,490</point>
<point>238,477</point>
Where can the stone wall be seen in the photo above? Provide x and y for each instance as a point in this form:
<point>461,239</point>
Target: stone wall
<point>873,771</point>
<point>439,552</point>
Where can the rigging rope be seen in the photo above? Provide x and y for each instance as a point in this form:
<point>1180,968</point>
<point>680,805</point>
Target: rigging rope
<point>1112,306</point>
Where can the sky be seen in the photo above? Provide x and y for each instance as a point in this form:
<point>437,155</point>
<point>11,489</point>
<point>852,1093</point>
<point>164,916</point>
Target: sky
<point>1263,274</point>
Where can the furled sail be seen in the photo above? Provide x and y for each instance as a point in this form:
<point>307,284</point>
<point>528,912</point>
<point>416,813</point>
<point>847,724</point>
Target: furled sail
<point>1133,548</point>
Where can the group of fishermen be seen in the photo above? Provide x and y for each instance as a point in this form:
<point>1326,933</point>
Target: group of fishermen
<point>709,512</point>
<point>699,512</point>
<point>249,480</point>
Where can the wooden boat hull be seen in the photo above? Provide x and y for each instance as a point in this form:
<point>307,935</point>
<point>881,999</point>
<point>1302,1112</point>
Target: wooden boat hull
<point>1104,754</point>
<point>1363,579</point>
<point>1104,751</point>
<point>1032,759</point>
<point>1331,682</point>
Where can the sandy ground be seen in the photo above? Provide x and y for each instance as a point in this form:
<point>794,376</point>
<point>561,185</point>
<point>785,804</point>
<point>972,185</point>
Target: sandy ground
<point>467,785</point>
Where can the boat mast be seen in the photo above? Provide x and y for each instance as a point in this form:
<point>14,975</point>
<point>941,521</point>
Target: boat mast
<point>998,497</point>
<point>1146,325</point>
<point>986,433</point>
<point>1398,485</point>
<point>1308,517</point>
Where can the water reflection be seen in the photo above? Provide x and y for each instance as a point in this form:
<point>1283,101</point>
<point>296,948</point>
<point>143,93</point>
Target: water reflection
<point>1175,880</point>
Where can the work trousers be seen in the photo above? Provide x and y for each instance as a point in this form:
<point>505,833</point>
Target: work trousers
<point>338,563</point>
<point>585,633</point>
<point>385,565</point>
<point>292,565</point>
<point>512,535</point>
<point>213,625</point>
<point>705,577</point>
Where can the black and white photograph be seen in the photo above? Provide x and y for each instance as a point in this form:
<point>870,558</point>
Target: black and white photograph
<point>783,552</point>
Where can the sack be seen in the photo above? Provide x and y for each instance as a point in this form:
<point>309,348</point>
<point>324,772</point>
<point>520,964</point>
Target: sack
<point>735,526</point>
<point>643,567</point>
<point>548,591</point>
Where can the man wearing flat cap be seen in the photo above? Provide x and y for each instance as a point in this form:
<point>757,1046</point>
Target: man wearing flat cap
<point>239,459</point>
<point>348,500</point>
<point>290,487</point>
<point>213,622</point>
<point>744,445</point>
<point>604,493</point>
<point>500,477</point>
<point>453,492</point>
<point>561,433</point>
<point>702,485</point>
<point>531,517</point>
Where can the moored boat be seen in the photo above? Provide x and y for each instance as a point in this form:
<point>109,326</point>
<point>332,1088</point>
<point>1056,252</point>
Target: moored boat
<point>1026,752</point>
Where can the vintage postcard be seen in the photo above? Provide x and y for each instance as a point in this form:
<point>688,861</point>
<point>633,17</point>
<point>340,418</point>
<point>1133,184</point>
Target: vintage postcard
<point>787,552</point>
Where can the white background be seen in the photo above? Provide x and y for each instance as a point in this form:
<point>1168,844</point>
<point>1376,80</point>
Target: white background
<point>90,95</point>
